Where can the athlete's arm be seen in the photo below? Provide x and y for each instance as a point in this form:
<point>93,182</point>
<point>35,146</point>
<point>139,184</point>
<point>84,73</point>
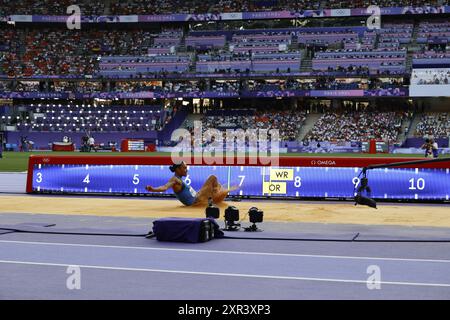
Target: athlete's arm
<point>163,188</point>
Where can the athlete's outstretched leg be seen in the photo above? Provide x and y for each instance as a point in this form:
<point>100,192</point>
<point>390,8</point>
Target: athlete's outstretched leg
<point>211,189</point>
<point>220,195</point>
<point>207,190</point>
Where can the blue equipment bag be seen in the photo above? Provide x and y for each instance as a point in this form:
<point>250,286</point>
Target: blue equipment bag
<point>186,229</point>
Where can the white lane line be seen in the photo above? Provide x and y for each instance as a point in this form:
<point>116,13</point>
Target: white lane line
<point>222,252</point>
<point>239,275</point>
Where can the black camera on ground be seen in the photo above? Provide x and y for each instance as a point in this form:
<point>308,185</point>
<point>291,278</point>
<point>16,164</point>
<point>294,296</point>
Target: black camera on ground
<point>212,211</point>
<point>231,216</point>
<point>255,216</point>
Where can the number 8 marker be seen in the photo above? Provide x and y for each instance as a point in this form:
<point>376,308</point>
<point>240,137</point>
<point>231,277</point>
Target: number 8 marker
<point>298,182</point>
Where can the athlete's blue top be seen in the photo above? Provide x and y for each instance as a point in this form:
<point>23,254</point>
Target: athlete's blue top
<point>187,195</point>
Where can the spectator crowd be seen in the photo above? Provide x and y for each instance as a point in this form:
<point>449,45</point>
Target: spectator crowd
<point>129,7</point>
<point>356,126</point>
<point>435,125</point>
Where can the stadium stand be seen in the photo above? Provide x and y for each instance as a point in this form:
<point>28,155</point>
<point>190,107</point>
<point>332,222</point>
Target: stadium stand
<point>47,7</point>
<point>430,76</point>
<point>287,122</point>
<point>435,125</point>
<point>357,126</point>
<point>293,76</point>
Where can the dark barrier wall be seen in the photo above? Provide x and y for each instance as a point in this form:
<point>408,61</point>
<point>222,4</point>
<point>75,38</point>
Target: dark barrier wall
<point>41,140</point>
<point>1,143</point>
<point>418,142</point>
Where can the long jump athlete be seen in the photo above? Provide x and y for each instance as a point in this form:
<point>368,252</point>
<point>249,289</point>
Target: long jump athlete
<point>186,194</point>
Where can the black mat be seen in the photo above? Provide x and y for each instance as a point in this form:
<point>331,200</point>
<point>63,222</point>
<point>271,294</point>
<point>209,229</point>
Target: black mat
<point>50,229</point>
<point>402,238</point>
<point>10,228</point>
<point>301,236</point>
<point>385,235</point>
